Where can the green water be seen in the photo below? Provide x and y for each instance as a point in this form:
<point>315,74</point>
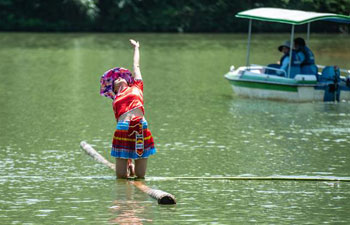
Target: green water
<point>49,102</point>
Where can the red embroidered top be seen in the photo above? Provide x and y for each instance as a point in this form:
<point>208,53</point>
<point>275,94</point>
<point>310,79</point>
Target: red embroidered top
<point>128,99</point>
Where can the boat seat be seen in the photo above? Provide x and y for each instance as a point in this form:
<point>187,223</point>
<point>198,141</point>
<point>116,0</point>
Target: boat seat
<point>309,69</point>
<point>306,77</point>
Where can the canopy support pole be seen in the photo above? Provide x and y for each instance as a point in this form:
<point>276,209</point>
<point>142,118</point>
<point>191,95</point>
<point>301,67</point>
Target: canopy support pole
<point>249,37</point>
<point>308,33</point>
<point>291,50</point>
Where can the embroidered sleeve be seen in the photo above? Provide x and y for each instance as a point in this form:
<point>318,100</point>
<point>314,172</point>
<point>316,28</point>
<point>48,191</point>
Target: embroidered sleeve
<point>139,84</point>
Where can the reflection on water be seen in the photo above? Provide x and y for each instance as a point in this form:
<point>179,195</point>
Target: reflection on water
<point>200,129</point>
<point>129,211</point>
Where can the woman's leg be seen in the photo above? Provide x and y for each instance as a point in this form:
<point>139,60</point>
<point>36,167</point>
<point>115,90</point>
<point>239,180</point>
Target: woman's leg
<point>140,167</point>
<point>121,167</point>
<point>131,168</point>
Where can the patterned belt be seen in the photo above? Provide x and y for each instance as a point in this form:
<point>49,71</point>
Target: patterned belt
<point>135,128</point>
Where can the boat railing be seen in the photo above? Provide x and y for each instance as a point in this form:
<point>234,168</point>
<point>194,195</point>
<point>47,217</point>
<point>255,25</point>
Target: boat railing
<point>279,72</point>
<point>347,72</point>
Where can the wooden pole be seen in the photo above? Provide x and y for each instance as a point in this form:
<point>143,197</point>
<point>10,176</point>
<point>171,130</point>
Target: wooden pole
<point>162,197</point>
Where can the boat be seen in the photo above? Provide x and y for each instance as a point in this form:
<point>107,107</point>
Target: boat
<point>328,83</point>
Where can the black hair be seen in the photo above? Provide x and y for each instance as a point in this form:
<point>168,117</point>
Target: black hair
<point>299,41</point>
<point>113,87</point>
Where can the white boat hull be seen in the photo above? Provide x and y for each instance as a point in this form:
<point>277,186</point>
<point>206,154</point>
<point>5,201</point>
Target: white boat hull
<point>302,88</point>
<point>304,94</point>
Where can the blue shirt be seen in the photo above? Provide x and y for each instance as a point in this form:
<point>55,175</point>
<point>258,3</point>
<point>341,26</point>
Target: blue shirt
<point>297,59</point>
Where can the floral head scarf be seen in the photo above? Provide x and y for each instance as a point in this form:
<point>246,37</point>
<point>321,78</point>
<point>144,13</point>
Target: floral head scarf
<point>110,76</point>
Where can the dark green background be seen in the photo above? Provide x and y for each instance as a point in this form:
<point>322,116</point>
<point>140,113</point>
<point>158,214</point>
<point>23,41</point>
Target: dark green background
<point>153,15</point>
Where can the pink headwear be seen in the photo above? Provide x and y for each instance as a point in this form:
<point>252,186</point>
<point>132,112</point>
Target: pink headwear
<point>108,78</point>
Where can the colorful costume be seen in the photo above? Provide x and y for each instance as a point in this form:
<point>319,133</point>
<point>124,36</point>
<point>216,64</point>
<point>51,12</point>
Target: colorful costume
<point>132,139</point>
<point>129,99</point>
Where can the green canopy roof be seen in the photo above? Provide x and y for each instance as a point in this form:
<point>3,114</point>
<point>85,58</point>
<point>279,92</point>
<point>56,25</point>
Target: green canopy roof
<point>295,17</point>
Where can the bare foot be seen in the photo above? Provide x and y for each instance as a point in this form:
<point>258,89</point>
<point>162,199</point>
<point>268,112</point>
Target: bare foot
<point>131,168</point>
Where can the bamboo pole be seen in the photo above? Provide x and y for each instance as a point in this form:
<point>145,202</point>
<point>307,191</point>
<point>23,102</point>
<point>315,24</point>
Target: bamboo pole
<point>162,197</point>
<point>95,155</point>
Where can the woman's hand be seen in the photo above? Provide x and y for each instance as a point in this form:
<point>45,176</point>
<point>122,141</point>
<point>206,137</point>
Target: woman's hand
<point>135,43</point>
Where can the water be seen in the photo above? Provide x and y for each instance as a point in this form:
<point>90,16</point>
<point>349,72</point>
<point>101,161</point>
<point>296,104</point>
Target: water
<point>49,102</point>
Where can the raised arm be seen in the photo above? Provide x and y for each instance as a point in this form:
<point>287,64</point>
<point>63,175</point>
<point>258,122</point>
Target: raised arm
<point>137,71</point>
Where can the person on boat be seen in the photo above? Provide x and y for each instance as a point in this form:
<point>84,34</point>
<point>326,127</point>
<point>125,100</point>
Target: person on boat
<point>283,64</point>
<point>132,139</point>
<point>308,65</point>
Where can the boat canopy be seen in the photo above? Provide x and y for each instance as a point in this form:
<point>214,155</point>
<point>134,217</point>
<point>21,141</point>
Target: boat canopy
<point>294,17</point>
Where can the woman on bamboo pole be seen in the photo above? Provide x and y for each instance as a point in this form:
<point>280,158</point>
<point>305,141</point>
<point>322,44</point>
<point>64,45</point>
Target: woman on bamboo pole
<point>132,139</point>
